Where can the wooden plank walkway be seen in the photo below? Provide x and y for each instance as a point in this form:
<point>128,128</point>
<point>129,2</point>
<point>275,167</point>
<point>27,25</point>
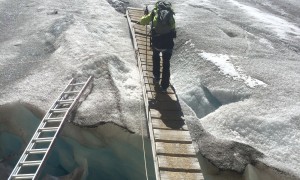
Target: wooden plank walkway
<point>173,152</point>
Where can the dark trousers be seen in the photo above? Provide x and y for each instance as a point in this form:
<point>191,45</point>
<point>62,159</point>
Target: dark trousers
<point>166,56</point>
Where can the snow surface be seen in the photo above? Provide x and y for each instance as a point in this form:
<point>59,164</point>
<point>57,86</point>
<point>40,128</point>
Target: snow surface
<point>280,26</point>
<point>227,68</point>
<point>230,66</point>
<point>265,119</point>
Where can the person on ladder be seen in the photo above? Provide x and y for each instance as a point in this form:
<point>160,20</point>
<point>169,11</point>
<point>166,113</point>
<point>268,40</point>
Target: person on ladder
<point>162,33</point>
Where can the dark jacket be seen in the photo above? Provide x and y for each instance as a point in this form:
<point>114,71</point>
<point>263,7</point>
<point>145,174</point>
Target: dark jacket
<point>163,41</point>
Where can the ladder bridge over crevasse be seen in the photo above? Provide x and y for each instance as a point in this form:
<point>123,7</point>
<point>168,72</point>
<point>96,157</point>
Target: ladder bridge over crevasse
<point>39,147</point>
<point>173,151</point>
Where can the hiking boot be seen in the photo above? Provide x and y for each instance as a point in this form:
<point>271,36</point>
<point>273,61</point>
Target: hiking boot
<point>163,90</point>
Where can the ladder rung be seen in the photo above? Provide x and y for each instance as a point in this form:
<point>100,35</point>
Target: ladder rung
<point>67,101</point>
<point>53,119</point>
<point>23,176</point>
<point>36,151</point>
<point>59,110</point>
<point>48,129</point>
<point>71,92</point>
<point>77,84</point>
<point>30,163</point>
<point>43,139</point>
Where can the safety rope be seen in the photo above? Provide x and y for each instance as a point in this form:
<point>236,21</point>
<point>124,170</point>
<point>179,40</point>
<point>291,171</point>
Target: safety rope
<point>142,125</point>
<point>144,150</point>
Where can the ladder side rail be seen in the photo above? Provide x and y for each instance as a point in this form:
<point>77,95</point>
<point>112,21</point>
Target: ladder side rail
<point>24,154</point>
<point>138,60</point>
<point>79,94</point>
<point>60,125</point>
<point>145,96</point>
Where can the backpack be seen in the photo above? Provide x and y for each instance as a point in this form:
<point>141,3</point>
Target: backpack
<point>164,17</point>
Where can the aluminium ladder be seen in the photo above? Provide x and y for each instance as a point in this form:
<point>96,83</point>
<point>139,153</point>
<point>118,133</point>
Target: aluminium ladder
<point>34,156</point>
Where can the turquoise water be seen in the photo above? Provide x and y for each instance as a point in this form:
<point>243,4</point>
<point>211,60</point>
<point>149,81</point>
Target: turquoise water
<point>104,152</point>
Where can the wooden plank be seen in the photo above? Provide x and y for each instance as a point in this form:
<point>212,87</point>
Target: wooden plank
<point>161,96</point>
<point>135,17</point>
<point>142,32</point>
<point>141,27</point>
<point>164,105</point>
<point>148,80</point>
<point>168,124</point>
<point>137,11</point>
<point>143,44</point>
<point>141,39</point>
<point>136,14</point>
<point>131,10</point>
<point>161,135</point>
<point>151,87</point>
<point>147,74</point>
<point>183,164</point>
<point>134,20</point>
<point>137,26</point>
<point>166,114</point>
<point>142,51</point>
<point>155,88</point>
<point>147,58</point>
<point>139,36</point>
<point>134,9</point>
<point>169,97</point>
<point>147,67</point>
<point>175,149</point>
<point>148,61</point>
<point>143,47</point>
<point>170,175</point>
